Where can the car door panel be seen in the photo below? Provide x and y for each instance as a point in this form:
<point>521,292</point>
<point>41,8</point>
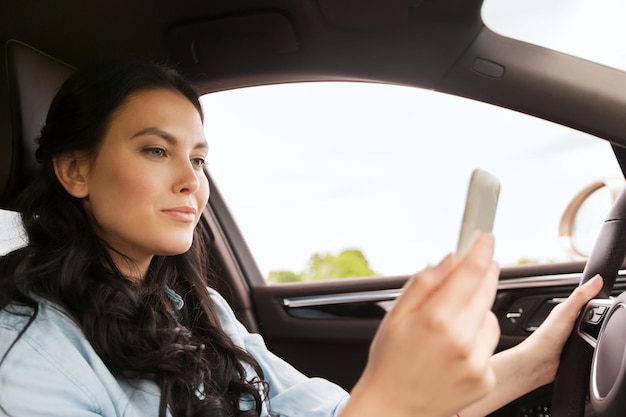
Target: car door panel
<point>331,340</point>
<point>303,324</point>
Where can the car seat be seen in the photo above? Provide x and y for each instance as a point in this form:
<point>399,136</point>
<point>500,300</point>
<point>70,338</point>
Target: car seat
<point>33,79</point>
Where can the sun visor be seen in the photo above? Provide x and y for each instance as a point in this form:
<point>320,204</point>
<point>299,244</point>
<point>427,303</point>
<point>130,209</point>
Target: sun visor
<point>247,39</point>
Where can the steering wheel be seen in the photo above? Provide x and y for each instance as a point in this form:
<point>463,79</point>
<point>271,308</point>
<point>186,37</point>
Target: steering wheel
<point>593,362</point>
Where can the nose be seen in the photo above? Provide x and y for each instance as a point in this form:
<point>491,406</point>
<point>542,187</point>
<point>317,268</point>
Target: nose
<point>187,180</point>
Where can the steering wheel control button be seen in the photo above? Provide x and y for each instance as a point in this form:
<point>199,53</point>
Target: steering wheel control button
<point>591,320</point>
<point>608,388</point>
<point>594,314</point>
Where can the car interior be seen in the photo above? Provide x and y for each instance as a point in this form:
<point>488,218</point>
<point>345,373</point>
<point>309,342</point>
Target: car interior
<point>324,328</point>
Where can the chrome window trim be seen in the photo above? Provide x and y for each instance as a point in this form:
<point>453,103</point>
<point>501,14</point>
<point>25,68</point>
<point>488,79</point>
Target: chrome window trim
<point>392,294</point>
<point>342,298</point>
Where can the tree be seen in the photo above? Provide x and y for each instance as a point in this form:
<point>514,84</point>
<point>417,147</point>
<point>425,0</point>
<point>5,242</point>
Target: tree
<point>284,276</point>
<point>348,263</point>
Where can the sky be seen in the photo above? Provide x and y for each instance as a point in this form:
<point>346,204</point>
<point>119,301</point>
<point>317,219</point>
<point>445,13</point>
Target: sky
<point>311,168</point>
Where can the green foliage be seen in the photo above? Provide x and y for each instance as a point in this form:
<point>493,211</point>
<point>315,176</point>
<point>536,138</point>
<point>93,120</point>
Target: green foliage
<point>533,261</point>
<point>348,263</point>
<point>284,276</point>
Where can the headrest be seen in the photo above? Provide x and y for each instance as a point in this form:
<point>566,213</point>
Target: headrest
<point>34,78</point>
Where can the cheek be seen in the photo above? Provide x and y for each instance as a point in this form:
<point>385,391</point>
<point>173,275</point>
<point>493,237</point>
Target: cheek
<point>117,188</point>
<point>207,191</point>
<point>203,192</point>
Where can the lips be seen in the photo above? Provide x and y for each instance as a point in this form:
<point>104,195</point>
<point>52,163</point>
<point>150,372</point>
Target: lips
<point>183,214</point>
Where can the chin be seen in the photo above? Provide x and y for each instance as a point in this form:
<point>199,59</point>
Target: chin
<point>173,250</point>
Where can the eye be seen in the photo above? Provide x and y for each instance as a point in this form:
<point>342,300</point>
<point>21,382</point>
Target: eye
<point>156,152</point>
<point>199,162</point>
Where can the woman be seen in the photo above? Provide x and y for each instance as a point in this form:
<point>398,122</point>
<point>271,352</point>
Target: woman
<point>106,311</point>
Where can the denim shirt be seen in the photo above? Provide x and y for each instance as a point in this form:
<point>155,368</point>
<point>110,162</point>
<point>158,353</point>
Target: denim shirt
<point>53,371</point>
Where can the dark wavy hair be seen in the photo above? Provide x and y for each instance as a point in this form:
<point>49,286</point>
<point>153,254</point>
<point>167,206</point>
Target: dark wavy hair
<point>135,329</point>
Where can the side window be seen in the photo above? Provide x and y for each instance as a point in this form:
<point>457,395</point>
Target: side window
<point>332,180</point>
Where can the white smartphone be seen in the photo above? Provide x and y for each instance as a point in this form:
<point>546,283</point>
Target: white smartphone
<point>480,208</point>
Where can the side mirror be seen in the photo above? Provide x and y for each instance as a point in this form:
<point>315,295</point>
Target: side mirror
<point>584,215</point>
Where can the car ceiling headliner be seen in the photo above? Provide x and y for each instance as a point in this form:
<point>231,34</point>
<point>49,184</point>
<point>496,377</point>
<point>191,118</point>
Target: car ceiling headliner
<point>221,44</point>
<point>255,42</point>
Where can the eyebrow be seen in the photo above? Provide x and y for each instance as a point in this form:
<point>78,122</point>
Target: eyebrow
<point>168,137</point>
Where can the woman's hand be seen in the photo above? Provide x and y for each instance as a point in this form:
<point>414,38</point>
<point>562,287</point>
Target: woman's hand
<point>544,346</point>
<point>431,355</point>
<point>534,362</point>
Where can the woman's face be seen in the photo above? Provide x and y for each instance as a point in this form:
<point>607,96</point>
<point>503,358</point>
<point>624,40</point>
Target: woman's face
<point>146,186</point>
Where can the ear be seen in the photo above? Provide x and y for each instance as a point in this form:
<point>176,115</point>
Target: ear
<point>71,170</point>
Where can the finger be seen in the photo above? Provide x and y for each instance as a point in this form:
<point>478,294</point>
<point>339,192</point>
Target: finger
<point>489,336</point>
<point>489,282</point>
<point>469,321</point>
<point>475,368</point>
<point>582,294</point>
<point>568,310</point>
<point>464,299</point>
<point>469,277</point>
<point>422,285</point>
<point>486,341</point>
